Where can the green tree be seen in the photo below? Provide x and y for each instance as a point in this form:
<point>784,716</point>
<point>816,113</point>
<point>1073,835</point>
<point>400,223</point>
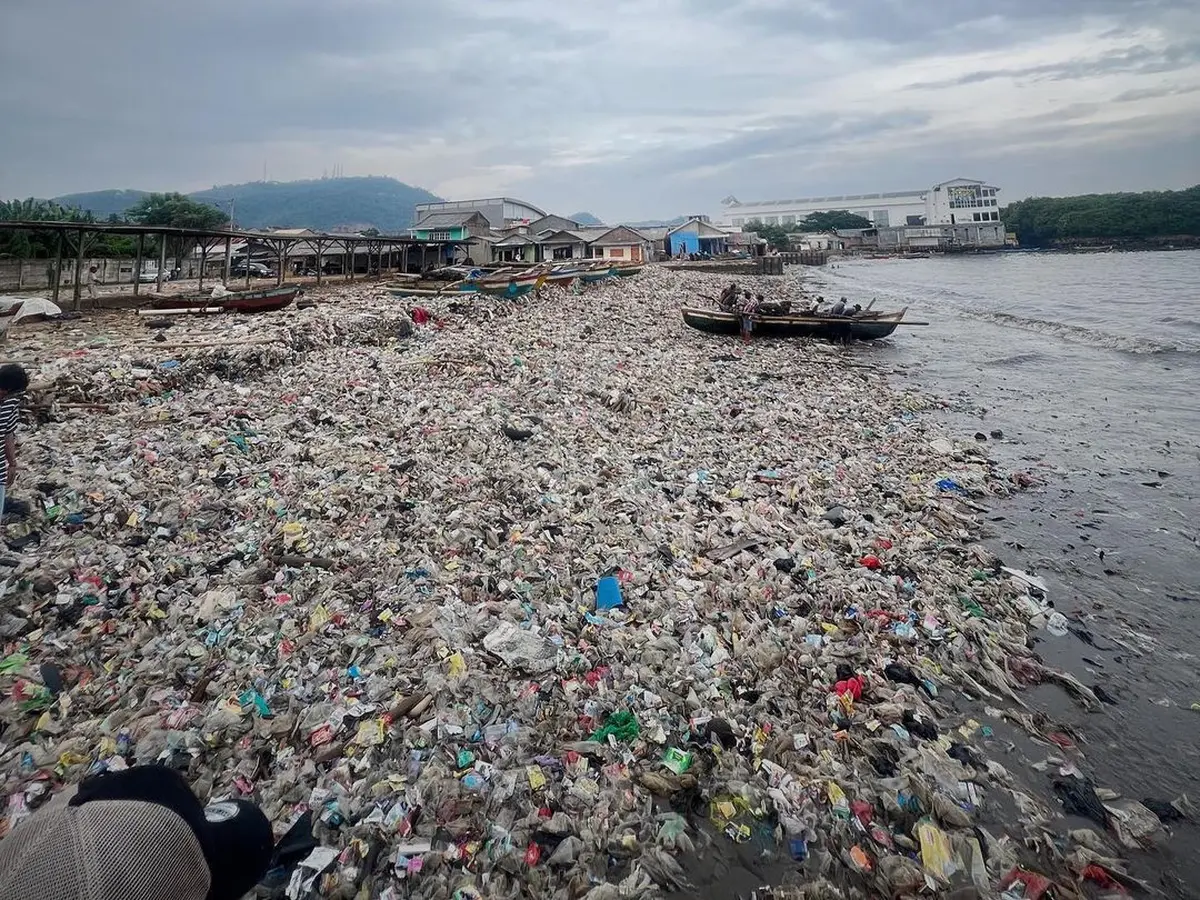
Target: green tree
<point>776,236</point>
<point>831,221</point>
<point>177,211</point>
<point>1045,221</point>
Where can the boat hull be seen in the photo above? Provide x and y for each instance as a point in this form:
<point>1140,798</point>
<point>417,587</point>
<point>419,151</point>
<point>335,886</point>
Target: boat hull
<point>243,301</point>
<point>833,328</point>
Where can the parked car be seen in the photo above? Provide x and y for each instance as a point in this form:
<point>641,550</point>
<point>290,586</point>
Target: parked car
<point>146,276</point>
<point>257,270</point>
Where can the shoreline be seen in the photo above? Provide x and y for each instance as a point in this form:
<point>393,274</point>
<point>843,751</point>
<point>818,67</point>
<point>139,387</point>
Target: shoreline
<point>706,474</point>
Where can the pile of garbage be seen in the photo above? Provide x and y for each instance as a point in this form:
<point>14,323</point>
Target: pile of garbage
<point>542,599</point>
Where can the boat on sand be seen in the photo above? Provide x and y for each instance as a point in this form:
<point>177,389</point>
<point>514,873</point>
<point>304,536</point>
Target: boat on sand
<point>833,328</point>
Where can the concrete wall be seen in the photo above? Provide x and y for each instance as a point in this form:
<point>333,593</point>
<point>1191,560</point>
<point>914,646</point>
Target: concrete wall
<point>31,274</point>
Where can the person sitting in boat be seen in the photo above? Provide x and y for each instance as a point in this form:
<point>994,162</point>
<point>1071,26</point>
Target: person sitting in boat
<point>838,308</point>
<point>728,298</point>
<point>855,311</point>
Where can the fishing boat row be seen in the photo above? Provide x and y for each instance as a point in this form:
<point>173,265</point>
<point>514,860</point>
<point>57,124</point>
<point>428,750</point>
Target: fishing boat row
<point>512,282</point>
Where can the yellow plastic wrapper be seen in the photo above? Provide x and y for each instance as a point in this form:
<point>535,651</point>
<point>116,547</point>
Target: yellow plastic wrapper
<point>937,855</point>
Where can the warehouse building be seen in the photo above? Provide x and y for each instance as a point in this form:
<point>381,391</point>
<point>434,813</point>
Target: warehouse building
<point>960,201</point>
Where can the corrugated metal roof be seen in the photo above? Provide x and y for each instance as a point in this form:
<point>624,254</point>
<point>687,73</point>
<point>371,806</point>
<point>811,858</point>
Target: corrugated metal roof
<point>446,219</point>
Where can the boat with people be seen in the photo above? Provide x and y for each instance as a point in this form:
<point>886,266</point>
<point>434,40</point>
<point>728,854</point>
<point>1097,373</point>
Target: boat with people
<point>869,327</point>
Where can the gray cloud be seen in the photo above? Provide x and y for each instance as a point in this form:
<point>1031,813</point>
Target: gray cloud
<point>654,110</point>
<point>1140,60</point>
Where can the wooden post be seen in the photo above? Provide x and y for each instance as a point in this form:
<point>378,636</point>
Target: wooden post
<point>203,262</point>
<point>20,273</point>
<point>78,295</point>
<point>228,258</point>
<point>162,261</point>
<point>320,252</point>
<point>349,256</point>
<point>58,267</point>
<point>137,265</point>
<point>279,255</point>
<point>404,259</point>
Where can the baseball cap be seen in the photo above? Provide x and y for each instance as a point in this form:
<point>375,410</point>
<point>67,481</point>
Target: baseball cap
<point>139,834</point>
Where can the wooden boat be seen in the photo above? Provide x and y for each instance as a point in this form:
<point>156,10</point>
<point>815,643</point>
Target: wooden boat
<point>11,310</point>
<point>595,275</point>
<point>627,271</point>
<point>833,328</point>
<point>562,278</point>
<point>239,301</point>
<point>259,301</point>
<point>511,287</point>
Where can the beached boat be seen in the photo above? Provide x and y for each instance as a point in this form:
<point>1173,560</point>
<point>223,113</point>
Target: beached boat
<point>259,301</point>
<point>627,271</point>
<point>511,287</point>
<point>594,275</point>
<point>238,301</point>
<point>834,328</point>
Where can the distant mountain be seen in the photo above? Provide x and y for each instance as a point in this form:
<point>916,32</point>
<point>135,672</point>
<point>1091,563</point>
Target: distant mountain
<point>326,204</point>
<point>584,218</point>
<point>102,204</point>
<point>658,223</point>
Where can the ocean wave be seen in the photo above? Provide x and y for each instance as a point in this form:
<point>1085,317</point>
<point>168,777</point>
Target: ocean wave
<point>1014,359</point>
<point>1080,334</point>
<point>930,299</point>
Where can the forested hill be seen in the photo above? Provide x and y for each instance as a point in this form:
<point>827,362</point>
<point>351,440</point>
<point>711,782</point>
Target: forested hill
<point>101,204</point>
<point>1045,221</point>
<point>324,204</point>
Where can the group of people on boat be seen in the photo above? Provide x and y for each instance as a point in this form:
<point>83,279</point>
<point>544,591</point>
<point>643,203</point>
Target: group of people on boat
<point>741,302</point>
<point>746,306</point>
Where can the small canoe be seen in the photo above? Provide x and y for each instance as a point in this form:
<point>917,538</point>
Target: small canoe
<point>239,301</point>
<point>259,301</point>
<point>595,275</point>
<point>627,271</point>
<point>833,328</point>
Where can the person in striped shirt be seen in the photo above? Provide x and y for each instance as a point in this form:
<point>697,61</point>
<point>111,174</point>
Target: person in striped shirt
<point>13,382</point>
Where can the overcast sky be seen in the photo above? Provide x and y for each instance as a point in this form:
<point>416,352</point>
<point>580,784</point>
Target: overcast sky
<point>627,108</point>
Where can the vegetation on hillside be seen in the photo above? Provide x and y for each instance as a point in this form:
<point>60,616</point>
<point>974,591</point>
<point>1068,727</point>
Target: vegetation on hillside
<point>326,204</point>
<point>102,204</point>
<point>776,236</point>
<point>1044,221</point>
<point>584,218</point>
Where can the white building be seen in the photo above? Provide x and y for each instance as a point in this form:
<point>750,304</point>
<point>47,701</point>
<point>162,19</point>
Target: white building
<point>954,202</point>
